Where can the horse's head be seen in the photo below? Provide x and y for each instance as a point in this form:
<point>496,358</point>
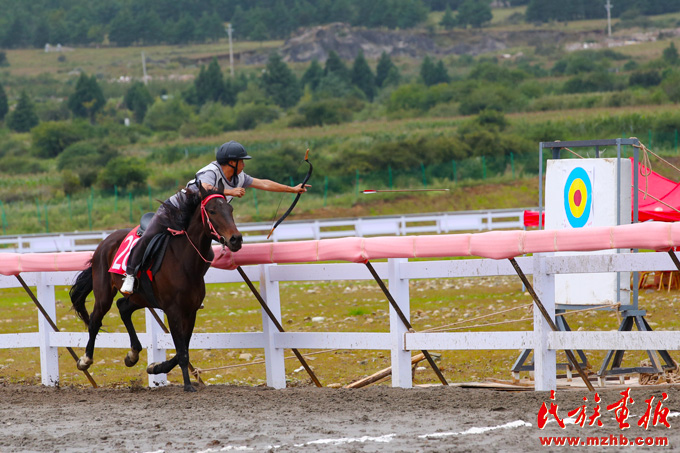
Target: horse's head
<point>218,218</point>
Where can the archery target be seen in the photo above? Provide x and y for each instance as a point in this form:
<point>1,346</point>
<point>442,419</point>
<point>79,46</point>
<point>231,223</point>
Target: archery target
<point>581,194</point>
<point>578,197</point>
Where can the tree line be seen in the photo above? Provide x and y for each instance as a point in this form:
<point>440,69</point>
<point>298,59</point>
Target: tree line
<point>147,22</point>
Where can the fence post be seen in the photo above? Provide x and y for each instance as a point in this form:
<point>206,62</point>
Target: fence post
<point>356,184</point>
<point>325,190</point>
<point>512,164</point>
<point>545,362</point>
<point>47,219</point>
<point>49,355</point>
<point>257,210</point>
<point>4,218</point>
<point>275,365</point>
<point>400,358</point>
<point>154,353</point>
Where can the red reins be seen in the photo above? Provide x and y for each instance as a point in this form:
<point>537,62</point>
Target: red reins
<point>204,217</point>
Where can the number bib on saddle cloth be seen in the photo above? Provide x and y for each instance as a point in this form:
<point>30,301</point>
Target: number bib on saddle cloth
<point>119,263</point>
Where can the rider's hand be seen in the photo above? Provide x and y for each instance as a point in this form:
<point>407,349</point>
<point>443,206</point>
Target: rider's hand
<point>300,189</point>
<point>236,192</point>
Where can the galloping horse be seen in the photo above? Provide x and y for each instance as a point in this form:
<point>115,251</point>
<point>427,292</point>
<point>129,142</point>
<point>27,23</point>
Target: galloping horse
<point>178,286</point>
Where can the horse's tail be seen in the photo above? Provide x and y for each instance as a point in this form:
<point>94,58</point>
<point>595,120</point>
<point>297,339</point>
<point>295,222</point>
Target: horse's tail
<point>79,291</point>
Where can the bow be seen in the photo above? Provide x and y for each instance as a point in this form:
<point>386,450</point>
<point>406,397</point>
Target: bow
<point>297,197</point>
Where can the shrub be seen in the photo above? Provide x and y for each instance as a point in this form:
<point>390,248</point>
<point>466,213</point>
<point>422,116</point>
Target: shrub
<point>318,113</point>
<point>250,115</point>
<point>123,172</point>
<point>167,115</point>
<point>51,138</point>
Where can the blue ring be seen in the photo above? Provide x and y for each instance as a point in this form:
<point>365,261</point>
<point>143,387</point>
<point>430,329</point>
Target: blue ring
<point>578,173</point>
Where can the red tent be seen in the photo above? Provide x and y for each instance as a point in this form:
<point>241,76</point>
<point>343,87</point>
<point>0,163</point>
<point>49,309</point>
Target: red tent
<point>654,185</point>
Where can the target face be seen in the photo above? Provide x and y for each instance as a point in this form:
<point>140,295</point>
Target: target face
<point>578,196</point>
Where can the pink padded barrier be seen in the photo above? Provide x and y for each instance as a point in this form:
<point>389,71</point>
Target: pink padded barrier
<point>16,263</point>
<point>659,236</point>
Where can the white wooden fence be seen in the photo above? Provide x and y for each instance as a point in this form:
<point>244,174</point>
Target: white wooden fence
<point>398,341</point>
<point>445,222</point>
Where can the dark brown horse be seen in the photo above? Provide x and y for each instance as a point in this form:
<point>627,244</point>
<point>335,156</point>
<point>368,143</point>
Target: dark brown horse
<point>178,286</point>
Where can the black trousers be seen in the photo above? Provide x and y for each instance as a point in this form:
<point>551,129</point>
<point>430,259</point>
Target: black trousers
<point>137,254</point>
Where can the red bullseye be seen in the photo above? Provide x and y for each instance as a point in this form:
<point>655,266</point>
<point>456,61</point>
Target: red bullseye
<point>577,198</point>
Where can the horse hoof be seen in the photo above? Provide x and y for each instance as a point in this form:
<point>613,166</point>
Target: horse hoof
<point>131,358</point>
<point>189,388</point>
<point>84,363</point>
<point>149,369</point>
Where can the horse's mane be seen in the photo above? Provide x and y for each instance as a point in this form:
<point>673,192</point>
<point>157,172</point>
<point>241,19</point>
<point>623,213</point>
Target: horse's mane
<point>189,199</point>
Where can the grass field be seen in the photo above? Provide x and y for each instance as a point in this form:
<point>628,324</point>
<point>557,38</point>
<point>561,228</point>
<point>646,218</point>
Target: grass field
<point>459,304</point>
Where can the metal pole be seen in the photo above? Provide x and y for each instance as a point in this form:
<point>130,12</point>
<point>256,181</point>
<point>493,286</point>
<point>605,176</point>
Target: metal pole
<point>231,51</point>
<point>53,325</point>
<point>401,315</point>
<point>276,323</point>
<point>551,323</point>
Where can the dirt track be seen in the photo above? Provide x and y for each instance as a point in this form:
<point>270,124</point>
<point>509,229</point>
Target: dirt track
<point>228,418</point>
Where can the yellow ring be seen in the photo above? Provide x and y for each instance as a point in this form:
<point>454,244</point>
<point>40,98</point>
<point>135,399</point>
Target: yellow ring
<point>577,185</point>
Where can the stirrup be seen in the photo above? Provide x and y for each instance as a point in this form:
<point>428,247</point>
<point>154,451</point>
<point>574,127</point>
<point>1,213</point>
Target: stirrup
<point>128,286</point>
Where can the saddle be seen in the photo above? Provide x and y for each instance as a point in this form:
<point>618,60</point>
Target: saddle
<point>144,222</point>
<point>152,258</point>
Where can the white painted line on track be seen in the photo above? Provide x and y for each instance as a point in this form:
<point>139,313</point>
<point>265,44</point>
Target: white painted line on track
<point>515,424</point>
<point>349,440</point>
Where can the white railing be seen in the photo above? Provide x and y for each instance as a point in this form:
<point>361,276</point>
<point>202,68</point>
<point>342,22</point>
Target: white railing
<point>446,222</point>
<point>398,340</point>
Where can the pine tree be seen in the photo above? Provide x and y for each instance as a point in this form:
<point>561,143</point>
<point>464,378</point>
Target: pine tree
<point>432,73</point>
<point>427,71</point>
<point>23,118</point>
<point>4,106</point>
<point>474,12</point>
<point>448,21</point>
<point>441,75</point>
<point>312,75</point>
<point>385,65</point>
<point>138,99</point>
<point>670,54</point>
<point>87,99</point>
<point>210,84</point>
<point>280,83</point>
<point>363,77</point>
<point>334,65</point>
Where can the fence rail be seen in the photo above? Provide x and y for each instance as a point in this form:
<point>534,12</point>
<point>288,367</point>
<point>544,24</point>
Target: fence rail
<point>400,342</point>
<point>445,222</point>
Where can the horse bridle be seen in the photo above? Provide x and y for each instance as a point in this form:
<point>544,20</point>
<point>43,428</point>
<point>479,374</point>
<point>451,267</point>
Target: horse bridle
<point>204,218</point>
<point>204,214</point>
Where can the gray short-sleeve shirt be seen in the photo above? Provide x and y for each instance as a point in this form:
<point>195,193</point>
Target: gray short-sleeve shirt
<point>212,174</point>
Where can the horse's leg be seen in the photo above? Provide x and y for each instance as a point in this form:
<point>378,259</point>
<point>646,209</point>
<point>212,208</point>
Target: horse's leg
<point>181,331</point>
<point>103,298</point>
<point>126,309</point>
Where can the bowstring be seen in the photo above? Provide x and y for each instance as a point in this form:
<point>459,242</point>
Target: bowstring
<point>276,213</point>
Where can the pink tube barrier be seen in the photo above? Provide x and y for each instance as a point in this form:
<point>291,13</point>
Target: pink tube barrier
<point>659,236</point>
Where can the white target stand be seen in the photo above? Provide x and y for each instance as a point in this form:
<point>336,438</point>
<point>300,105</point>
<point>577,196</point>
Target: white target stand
<point>589,192</point>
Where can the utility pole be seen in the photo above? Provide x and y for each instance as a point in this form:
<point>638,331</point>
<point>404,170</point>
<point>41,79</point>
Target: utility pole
<point>608,7</point>
<point>231,51</point>
<point>146,80</point>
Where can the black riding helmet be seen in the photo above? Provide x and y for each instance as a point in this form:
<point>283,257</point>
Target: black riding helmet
<point>231,151</point>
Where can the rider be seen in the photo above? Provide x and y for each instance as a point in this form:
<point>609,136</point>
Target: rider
<point>228,168</point>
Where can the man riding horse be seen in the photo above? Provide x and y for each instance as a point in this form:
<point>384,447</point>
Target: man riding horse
<point>227,169</point>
